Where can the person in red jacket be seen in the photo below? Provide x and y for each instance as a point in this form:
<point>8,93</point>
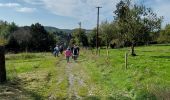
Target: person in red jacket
<point>68,53</point>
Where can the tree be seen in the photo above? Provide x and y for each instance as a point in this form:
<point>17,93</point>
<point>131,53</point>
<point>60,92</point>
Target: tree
<point>79,37</point>
<point>135,22</point>
<point>92,38</point>
<point>2,64</point>
<point>164,36</point>
<point>107,32</point>
<point>22,36</point>
<point>41,40</point>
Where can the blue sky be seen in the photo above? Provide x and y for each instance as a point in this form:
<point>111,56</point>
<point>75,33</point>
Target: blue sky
<point>66,14</point>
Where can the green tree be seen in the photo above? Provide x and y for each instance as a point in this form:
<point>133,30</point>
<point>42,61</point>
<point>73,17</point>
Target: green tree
<point>107,33</point>
<point>92,38</point>
<point>79,37</point>
<point>164,36</point>
<point>22,36</point>
<point>135,22</point>
<point>41,40</point>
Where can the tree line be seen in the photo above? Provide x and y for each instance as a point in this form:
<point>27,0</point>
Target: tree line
<point>28,38</point>
<point>132,25</point>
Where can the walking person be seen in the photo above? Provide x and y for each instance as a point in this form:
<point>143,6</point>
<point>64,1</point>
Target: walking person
<point>75,52</point>
<point>61,49</point>
<point>56,51</point>
<point>68,54</point>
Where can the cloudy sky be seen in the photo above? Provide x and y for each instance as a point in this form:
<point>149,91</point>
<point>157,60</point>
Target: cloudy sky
<point>66,14</point>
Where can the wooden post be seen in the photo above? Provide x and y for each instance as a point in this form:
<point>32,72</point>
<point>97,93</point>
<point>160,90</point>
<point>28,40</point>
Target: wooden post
<point>107,50</point>
<point>99,51</point>
<point>126,60</point>
<point>2,65</point>
<point>97,32</point>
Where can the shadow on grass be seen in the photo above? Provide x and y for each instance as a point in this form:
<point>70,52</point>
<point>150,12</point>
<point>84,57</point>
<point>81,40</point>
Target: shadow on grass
<point>147,51</point>
<point>92,98</point>
<point>164,57</point>
<point>106,98</point>
<point>162,44</point>
<point>14,90</point>
<point>81,60</point>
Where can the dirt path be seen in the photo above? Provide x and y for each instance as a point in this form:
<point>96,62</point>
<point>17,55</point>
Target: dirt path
<point>73,82</point>
<point>79,81</point>
<point>72,93</point>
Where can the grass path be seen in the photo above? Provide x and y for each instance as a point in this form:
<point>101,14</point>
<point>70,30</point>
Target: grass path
<point>79,85</point>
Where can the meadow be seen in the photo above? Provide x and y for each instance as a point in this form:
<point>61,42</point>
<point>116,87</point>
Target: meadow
<point>41,76</point>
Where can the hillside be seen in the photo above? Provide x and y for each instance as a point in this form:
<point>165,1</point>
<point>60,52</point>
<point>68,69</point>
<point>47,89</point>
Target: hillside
<point>54,29</point>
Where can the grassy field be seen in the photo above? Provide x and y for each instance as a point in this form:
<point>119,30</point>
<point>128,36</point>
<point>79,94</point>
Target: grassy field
<point>40,76</point>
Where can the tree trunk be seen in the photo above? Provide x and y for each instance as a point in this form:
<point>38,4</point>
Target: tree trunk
<point>2,65</point>
<point>133,49</point>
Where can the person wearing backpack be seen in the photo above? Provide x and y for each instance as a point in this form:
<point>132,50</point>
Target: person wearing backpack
<point>56,51</point>
<point>75,52</point>
<point>68,53</point>
<point>61,49</point>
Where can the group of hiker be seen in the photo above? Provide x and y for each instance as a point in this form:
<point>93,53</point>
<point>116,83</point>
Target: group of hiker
<point>69,52</point>
<point>57,50</point>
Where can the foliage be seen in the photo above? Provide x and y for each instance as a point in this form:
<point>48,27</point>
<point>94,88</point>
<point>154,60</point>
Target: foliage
<point>92,38</point>
<point>108,32</point>
<point>41,40</point>
<point>164,36</point>
<point>135,22</point>
<point>79,37</point>
<point>2,41</point>
<point>5,30</point>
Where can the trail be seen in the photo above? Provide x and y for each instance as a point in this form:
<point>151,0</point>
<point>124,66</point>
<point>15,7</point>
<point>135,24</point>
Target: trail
<point>78,80</point>
<point>72,81</point>
<point>72,93</point>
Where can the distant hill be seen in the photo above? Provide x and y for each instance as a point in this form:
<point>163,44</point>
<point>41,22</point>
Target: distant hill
<point>51,29</point>
<point>54,29</point>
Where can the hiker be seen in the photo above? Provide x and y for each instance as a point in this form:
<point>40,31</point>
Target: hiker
<point>75,52</point>
<point>61,49</point>
<point>68,54</point>
<point>56,51</point>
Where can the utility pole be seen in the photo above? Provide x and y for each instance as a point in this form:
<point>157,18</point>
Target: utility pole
<point>97,33</point>
<point>79,32</point>
<point>79,25</point>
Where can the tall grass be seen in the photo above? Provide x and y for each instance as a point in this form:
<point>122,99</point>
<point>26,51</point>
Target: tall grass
<point>147,76</point>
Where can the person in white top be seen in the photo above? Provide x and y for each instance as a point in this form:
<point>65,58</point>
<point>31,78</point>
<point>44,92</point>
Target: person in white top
<point>56,51</point>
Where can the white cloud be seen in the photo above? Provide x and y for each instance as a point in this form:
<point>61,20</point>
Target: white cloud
<point>79,9</point>
<point>35,2</point>
<point>26,10</point>
<point>84,10</point>
<point>161,7</point>
<point>18,7</point>
<point>9,5</point>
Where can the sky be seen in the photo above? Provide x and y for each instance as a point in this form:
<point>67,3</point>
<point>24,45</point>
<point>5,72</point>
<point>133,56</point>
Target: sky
<point>66,14</point>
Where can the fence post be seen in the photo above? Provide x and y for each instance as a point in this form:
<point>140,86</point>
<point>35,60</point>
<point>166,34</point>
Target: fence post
<point>126,60</point>
<point>2,65</point>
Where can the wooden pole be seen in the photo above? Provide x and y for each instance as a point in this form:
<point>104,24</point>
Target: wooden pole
<point>79,33</point>
<point>126,61</point>
<point>2,65</point>
<point>97,33</point>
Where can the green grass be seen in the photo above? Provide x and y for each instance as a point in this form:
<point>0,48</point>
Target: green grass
<point>33,74</point>
<point>36,76</point>
<point>147,76</point>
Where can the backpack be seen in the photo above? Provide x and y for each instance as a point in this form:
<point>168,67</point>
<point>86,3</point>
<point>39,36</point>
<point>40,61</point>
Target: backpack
<point>75,51</point>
